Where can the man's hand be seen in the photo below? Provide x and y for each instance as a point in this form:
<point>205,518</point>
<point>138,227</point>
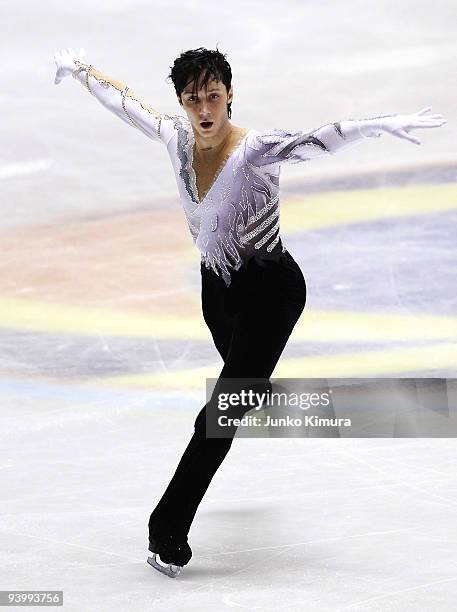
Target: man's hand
<point>65,62</point>
<point>401,125</point>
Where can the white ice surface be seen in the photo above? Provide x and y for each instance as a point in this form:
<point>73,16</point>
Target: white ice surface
<point>290,524</point>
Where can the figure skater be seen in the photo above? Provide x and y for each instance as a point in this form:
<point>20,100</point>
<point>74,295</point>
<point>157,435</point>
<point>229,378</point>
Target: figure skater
<point>253,291</point>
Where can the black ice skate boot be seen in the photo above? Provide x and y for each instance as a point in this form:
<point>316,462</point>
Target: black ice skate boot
<point>170,552</point>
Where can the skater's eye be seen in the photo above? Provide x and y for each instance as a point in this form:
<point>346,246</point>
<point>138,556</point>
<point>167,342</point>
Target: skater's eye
<point>192,98</point>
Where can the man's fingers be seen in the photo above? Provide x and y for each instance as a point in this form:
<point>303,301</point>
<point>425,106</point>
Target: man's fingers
<point>432,124</point>
<point>414,125</point>
<point>58,77</point>
<point>424,110</point>
<point>406,136</point>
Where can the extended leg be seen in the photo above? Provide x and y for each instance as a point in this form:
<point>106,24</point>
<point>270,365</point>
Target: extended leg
<point>259,337</point>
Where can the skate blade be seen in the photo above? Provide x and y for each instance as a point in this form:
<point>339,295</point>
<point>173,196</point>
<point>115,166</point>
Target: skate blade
<point>170,570</point>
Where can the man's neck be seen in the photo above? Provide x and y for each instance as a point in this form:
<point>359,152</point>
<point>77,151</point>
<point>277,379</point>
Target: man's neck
<point>209,147</point>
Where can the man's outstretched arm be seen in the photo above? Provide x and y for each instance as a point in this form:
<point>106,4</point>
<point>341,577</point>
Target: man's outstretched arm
<point>113,95</point>
<point>279,146</point>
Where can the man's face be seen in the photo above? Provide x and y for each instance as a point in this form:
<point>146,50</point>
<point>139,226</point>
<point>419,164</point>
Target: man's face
<point>206,105</point>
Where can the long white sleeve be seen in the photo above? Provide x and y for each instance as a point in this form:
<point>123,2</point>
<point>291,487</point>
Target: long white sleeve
<point>281,146</point>
<point>120,100</point>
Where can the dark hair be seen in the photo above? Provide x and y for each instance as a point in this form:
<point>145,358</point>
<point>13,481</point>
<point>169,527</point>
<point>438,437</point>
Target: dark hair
<point>191,64</point>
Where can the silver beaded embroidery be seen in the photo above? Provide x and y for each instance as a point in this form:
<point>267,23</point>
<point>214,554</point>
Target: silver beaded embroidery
<point>220,245</point>
<point>261,227</point>
<point>267,236</point>
<point>338,129</point>
<point>124,93</point>
<point>106,84</point>
<point>272,245</point>
<point>263,210</point>
<point>87,79</point>
<point>286,146</point>
<point>183,129</point>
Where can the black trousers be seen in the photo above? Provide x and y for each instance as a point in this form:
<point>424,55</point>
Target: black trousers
<point>250,322</point>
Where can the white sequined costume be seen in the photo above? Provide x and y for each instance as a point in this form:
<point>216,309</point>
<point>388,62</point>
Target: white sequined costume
<point>238,217</point>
